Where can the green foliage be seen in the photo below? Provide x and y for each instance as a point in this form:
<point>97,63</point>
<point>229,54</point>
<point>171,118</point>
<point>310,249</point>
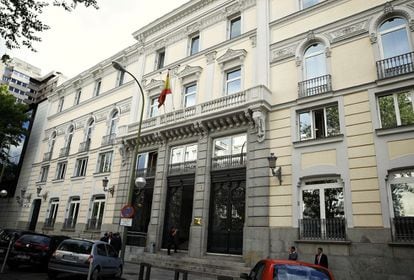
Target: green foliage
<point>13,115</point>
<point>19,22</point>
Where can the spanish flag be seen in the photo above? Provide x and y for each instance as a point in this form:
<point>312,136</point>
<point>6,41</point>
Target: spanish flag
<point>166,90</point>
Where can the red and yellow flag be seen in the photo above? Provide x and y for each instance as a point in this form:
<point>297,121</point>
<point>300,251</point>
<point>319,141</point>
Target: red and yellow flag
<point>166,90</point>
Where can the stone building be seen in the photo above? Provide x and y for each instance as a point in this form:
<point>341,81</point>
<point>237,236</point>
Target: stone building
<point>324,86</point>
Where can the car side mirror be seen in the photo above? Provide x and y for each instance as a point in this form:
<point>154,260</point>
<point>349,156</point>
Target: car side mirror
<point>244,276</point>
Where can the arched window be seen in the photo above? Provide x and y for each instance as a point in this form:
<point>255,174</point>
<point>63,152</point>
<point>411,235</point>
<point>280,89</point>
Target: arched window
<point>69,137</point>
<point>394,37</point>
<point>52,141</point>
<point>89,130</point>
<point>314,61</point>
<point>113,123</point>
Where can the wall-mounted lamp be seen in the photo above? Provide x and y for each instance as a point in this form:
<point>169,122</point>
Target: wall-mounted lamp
<point>276,171</point>
<point>23,199</point>
<point>44,195</point>
<point>3,193</point>
<point>111,190</point>
<point>140,183</point>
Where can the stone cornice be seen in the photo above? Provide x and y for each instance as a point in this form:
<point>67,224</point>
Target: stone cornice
<point>231,54</point>
<point>190,70</point>
<point>154,84</point>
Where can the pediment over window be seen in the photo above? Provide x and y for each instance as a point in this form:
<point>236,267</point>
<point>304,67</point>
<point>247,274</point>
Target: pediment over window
<point>190,71</point>
<point>231,55</point>
<point>153,84</point>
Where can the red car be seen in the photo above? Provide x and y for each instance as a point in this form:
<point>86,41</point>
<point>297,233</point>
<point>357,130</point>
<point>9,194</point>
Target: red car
<point>283,269</point>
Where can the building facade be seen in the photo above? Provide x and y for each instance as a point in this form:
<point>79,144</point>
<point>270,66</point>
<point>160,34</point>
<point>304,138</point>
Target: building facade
<point>325,86</point>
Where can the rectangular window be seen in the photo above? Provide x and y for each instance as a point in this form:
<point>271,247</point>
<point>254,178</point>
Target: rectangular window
<point>73,211</point>
<point>43,173</point>
<point>153,110</point>
<point>97,88</point>
<point>309,3</point>
<point>80,167</point>
<point>190,95</point>
<point>233,81</point>
<point>230,145</point>
<point>98,207</point>
<point>396,109</point>
<point>160,57</point>
<point>120,78</point>
<point>104,162</point>
<point>235,27</point>
<point>51,217</point>
<point>319,123</point>
<point>184,153</point>
<point>194,44</point>
<point>60,104</point>
<point>77,97</point>
<point>61,170</point>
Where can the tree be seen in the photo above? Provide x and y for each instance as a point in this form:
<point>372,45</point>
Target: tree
<point>19,20</point>
<point>13,116</point>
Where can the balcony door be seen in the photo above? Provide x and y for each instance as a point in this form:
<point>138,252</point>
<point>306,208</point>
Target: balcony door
<point>35,214</point>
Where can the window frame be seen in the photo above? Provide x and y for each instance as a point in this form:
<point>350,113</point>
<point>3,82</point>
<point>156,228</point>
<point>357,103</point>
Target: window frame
<point>186,149</point>
<point>104,164</point>
<point>160,57</point>
<point>53,208</point>
<point>302,6</point>
<point>97,87</point>
<point>400,180</point>
<point>186,94</point>
<point>60,104</point>
<point>231,146</point>
<point>120,78</point>
<point>77,97</point>
<point>81,166</point>
<point>75,202</point>
<point>61,170</point>
<point>227,81</point>
<point>231,21</point>
<point>153,107</point>
<point>381,33</point>
<point>315,54</point>
<point>44,171</point>
<point>191,44</point>
<point>396,106</point>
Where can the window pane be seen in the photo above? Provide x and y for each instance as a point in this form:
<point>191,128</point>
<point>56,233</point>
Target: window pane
<point>233,75</point>
<point>334,203</point>
<point>403,199</point>
<point>405,104</point>
<point>305,126</point>
<point>195,44</point>
<point>308,3</point>
<point>233,86</point>
<point>311,202</point>
<point>315,66</point>
<point>239,144</point>
<point>387,111</point>
<point>177,155</point>
<point>319,123</point>
<point>222,147</point>
<point>395,43</point>
<point>332,120</point>
<point>235,27</point>
<point>191,153</point>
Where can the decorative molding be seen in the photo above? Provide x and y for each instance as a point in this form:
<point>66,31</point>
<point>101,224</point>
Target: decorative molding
<point>388,8</point>
<point>232,55</point>
<point>373,38</point>
<point>192,28</point>
<point>97,73</point>
<point>61,130</point>
<point>101,116</point>
<point>233,9</point>
<point>211,57</point>
<point>348,31</point>
<point>283,53</point>
<point>328,52</point>
<point>259,119</point>
<point>154,84</point>
<point>125,107</point>
<point>310,36</point>
<point>190,70</point>
<point>253,40</point>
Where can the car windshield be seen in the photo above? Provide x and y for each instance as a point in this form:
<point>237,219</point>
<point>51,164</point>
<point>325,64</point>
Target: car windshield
<point>76,246</point>
<point>298,272</point>
<point>39,239</point>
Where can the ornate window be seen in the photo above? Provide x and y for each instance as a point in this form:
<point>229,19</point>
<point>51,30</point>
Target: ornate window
<point>52,213</point>
<point>396,109</point>
<point>229,151</point>
<point>394,37</point>
<point>113,128</point>
<point>190,95</point>
<point>77,97</point>
<point>72,213</point>
<point>43,173</point>
<point>61,170</point>
<point>120,78</point>
<point>234,27</point>
<point>60,104</point>
<point>96,214</point>
<point>233,81</point>
<point>160,58</point>
<point>153,110</point>
<point>104,162</point>
<point>194,44</point>
<point>183,159</point>
<point>314,61</point>
<point>80,167</point>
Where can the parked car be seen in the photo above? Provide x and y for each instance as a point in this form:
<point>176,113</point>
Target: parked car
<point>77,256</point>
<point>284,269</point>
<point>6,235</point>
<point>33,249</point>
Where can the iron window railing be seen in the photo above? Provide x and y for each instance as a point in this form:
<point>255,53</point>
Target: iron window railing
<point>395,66</point>
<point>403,229</point>
<point>322,229</point>
<point>108,139</point>
<point>84,146</point>
<point>146,172</point>
<point>315,86</point>
<point>94,224</point>
<point>49,223</point>
<point>47,156</point>
<point>229,161</point>
<point>182,167</point>
<point>69,223</point>
<point>64,152</point>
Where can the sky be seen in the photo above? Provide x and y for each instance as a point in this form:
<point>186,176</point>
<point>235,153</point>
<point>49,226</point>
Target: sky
<point>78,40</point>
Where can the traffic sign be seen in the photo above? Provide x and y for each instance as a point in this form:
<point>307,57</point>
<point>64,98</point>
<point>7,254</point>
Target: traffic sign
<point>127,211</point>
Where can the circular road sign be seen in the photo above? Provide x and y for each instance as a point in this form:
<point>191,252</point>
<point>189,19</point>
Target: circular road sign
<point>127,211</point>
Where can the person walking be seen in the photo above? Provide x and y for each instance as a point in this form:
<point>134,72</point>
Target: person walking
<point>321,259</point>
<point>117,242</point>
<point>104,238</point>
<point>293,255</point>
<point>172,239</point>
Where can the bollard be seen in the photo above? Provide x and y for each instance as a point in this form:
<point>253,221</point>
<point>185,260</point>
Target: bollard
<point>7,254</point>
<point>90,267</point>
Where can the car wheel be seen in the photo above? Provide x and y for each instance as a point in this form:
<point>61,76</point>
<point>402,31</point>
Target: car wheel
<point>95,274</point>
<point>118,273</point>
<point>52,275</point>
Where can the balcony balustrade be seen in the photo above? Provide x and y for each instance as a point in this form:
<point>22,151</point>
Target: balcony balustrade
<point>94,224</point>
<point>69,223</point>
<point>84,146</point>
<point>64,152</point>
<point>182,167</point>
<point>315,86</point>
<point>108,139</point>
<point>229,161</point>
<point>47,156</point>
<point>403,229</point>
<point>395,66</point>
<point>146,172</point>
<point>323,229</point>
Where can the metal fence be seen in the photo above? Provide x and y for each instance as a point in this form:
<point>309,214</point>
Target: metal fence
<point>229,161</point>
<point>182,167</point>
<point>108,139</point>
<point>49,223</point>
<point>69,223</point>
<point>395,66</point>
<point>94,224</point>
<point>64,152</point>
<point>322,229</point>
<point>47,156</point>
<point>146,172</point>
<point>403,229</point>
<point>315,86</point>
<point>84,146</point>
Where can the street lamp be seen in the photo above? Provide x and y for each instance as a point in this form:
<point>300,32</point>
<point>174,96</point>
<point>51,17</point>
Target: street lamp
<point>121,68</point>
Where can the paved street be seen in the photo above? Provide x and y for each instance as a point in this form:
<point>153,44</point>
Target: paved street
<point>130,273</point>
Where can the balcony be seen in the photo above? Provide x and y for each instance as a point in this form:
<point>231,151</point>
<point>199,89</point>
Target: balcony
<point>182,167</point>
<point>229,161</point>
<point>333,229</point>
<point>403,229</point>
<point>69,223</point>
<point>146,172</point>
<point>49,223</point>
<point>94,224</point>
<point>315,86</point>
<point>47,156</point>
<point>395,66</point>
<point>64,152</point>
<point>108,139</point>
<point>84,146</point>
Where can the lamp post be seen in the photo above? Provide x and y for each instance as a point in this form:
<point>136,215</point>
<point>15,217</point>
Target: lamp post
<point>119,67</point>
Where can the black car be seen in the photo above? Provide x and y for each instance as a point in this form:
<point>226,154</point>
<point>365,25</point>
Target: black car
<point>34,249</point>
<point>8,234</point>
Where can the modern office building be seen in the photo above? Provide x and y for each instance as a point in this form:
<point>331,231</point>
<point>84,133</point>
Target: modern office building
<point>289,123</point>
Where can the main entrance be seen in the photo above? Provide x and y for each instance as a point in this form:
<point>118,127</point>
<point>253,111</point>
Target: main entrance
<point>227,212</point>
<point>179,209</point>
<point>35,214</point>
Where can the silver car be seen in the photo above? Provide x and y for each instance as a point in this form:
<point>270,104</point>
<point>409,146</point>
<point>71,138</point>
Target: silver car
<point>80,256</point>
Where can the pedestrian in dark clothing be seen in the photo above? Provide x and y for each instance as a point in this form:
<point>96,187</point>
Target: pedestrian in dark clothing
<point>104,238</point>
<point>172,239</point>
<point>293,255</point>
<point>117,242</point>
<point>321,259</point>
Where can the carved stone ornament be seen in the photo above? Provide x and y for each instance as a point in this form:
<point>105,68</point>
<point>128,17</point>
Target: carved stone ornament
<point>283,53</point>
<point>101,116</point>
<point>411,25</point>
<point>349,31</point>
<point>154,84</point>
<point>388,8</point>
<point>190,70</point>
<point>373,38</point>
<point>253,40</point>
<point>298,61</point>
<point>231,55</point>
<point>193,28</point>
<point>232,9</point>
<point>211,57</point>
<point>125,107</point>
<point>124,150</point>
<point>328,52</point>
<point>97,73</point>
<point>259,119</point>
<point>310,36</point>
